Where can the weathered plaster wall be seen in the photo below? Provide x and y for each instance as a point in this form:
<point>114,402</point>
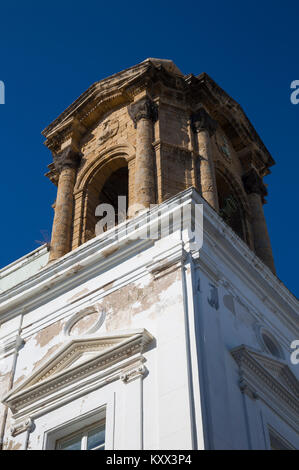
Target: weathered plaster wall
<point>197,306</point>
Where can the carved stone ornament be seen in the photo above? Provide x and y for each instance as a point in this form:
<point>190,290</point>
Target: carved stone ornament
<point>22,426</point>
<point>268,379</point>
<point>67,158</point>
<point>132,374</point>
<point>108,129</point>
<point>201,121</point>
<point>253,183</point>
<point>143,109</point>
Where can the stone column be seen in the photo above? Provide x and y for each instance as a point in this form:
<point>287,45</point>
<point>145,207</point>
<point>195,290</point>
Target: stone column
<point>256,191</point>
<point>144,114</point>
<point>66,164</point>
<point>204,127</point>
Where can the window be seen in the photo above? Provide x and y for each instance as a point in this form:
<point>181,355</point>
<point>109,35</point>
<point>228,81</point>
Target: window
<point>230,208</point>
<point>89,438</point>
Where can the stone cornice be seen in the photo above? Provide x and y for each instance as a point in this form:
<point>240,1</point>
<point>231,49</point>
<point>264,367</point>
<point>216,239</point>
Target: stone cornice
<point>92,255</point>
<point>226,110</point>
<point>121,88</point>
<point>269,379</point>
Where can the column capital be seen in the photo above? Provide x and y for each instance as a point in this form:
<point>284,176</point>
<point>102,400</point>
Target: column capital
<point>69,158</point>
<point>253,183</point>
<point>201,121</point>
<point>143,109</point>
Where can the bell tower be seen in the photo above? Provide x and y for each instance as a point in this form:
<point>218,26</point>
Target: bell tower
<point>148,133</point>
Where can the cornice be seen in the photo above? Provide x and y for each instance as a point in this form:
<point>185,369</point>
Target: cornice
<point>64,371</point>
<point>269,379</point>
<point>91,257</point>
<point>226,107</point>
<point>121,88</point>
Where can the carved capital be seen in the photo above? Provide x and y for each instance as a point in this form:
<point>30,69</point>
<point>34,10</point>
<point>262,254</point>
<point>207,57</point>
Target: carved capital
<point>143,109</point>
<point>201,120</point>
<point>253,183</point>
<point>67,158</point>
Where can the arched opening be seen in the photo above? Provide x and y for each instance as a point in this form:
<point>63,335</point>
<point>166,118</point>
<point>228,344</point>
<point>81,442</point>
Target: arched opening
<point>106,185</point>
<point>116,185</point>
<point>230,208</point>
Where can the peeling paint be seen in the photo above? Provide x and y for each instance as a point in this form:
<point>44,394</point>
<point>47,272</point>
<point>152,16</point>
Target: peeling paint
<point>13,446</point>
<point>109,251</point>
<point>44,336</point>
<point>46,356</point>
<point>132,300</point>
<point>78,295</point>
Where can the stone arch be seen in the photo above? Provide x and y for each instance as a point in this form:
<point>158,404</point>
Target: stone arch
<point>90,183</point>
<point>225,179</point>
<point>125,151</point>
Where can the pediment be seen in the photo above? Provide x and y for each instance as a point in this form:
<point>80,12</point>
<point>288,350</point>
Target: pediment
<point>106,94</point>
<point>78,359</point>
<point>269,377</point>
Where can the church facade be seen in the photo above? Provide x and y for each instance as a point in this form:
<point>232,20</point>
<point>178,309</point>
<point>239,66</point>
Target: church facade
<point>139,334</point>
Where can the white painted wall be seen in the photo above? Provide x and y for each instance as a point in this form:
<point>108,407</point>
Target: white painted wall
<point>197,306</point>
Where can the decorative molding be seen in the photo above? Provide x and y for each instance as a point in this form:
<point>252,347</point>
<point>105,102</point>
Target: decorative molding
<point>73,364</point>
<point>10,345</point>
<point>134,373</point>
<point>169,261</point>
<point>270,380</point>
<point>67,158</point>
<point>143,109</point>
<point>202,121</point>
<point>19,427</point>
<point>218,239</point>
<point>85,312</point>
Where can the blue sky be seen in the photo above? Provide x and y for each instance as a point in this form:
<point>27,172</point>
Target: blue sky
<point>51,52</point>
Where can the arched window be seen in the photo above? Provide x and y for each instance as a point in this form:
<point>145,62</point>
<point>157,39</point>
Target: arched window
<point>116,185</point>
<point>230,208</point>
<point>108,183</point>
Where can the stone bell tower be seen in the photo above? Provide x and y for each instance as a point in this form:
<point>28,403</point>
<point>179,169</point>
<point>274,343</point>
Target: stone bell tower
<point>148,133</point>
<point>121,340</point>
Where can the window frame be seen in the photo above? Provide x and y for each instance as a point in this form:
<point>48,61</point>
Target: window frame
<point>83,433</point>
<point>75,425</point>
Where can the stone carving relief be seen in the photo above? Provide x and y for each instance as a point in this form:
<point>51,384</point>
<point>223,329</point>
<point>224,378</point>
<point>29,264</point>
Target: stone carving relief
<point>108,129</point>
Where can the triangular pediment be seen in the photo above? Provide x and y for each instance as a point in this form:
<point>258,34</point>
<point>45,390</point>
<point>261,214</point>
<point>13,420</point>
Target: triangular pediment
<point>77,360</point>
<point>267,376</point>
